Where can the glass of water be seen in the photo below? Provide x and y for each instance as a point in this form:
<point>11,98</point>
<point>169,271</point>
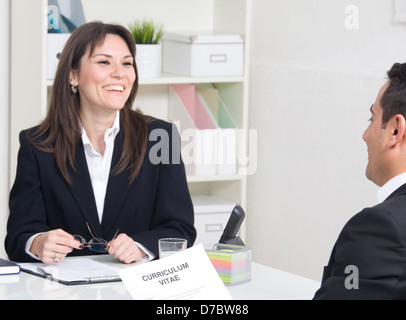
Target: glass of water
<point>169,246</point>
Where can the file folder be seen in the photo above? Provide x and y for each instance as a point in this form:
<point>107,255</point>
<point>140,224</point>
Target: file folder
<point>197,129</point>
<point>226,155</point>
<point>73,271</point>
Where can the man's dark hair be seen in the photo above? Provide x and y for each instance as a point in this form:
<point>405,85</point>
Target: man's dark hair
<point>393,100</point>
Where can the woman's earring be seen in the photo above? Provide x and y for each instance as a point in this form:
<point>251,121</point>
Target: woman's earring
<point>74,89</point>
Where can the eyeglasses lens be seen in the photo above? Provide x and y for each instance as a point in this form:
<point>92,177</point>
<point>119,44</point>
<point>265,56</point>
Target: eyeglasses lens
<point>98,245</point>
<point>79,238</point>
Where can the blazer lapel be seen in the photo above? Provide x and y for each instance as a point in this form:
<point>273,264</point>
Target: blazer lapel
<point>82,190</point>
<point>117,189</point>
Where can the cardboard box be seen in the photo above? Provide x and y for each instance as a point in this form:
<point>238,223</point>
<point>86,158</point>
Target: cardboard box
<point>203,55</point>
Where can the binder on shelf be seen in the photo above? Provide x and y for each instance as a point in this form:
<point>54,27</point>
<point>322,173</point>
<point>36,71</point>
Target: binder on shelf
<point>226,129</point>
<point>203,118</point>
<point>197,129</point>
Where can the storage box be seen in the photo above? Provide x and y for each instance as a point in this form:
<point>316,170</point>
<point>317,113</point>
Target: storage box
<point>56,43</point>
<point>203,55</point>
<point>232,263</point>
<point>211,217</point>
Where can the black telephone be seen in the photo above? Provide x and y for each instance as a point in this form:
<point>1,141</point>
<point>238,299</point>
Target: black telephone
<point>233,225</point>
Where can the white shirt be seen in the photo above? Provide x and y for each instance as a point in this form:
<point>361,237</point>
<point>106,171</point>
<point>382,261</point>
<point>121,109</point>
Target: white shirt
<point>98,165</point>
<point>391,186</point>
<point>99,170</point>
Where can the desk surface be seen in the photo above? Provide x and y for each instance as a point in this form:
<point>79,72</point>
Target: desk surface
<point>266,284</point>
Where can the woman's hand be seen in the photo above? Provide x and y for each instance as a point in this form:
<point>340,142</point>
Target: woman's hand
<point>125,249</point>
<point>53,246</point>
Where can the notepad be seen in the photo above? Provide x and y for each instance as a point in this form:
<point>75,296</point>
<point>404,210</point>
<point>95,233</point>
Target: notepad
<point>232,263</point>
<point>73,271</point>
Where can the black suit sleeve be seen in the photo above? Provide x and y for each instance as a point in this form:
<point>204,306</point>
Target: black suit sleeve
<point>27,208</point>
<point>373,242</point>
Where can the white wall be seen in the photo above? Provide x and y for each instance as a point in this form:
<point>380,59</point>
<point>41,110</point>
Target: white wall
<point>312,83</point>
<point>4,117</point>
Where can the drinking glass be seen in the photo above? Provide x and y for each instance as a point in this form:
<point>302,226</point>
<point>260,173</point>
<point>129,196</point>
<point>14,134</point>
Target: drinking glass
<point>169,246</point>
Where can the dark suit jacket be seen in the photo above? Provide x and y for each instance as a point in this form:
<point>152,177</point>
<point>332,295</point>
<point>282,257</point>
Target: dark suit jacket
<point>156,205</point>
<point>374,241</point>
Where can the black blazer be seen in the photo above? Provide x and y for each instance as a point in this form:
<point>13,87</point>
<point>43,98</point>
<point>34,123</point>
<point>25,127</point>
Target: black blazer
<point>374,241</point>
<point>156,205</point>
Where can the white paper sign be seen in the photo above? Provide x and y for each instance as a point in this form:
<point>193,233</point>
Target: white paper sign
<point>187,275</point>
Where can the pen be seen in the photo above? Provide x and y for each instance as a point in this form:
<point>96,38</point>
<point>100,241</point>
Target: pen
<point>46,274</point>
<point>102,279</point>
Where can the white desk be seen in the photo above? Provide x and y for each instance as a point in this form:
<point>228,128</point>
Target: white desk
<point>266,284</point>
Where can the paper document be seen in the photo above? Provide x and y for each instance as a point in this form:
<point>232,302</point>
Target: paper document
<point>187,275</point>
<point>73,271</point>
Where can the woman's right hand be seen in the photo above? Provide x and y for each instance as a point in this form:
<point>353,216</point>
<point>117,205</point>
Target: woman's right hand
<point>53,246</point>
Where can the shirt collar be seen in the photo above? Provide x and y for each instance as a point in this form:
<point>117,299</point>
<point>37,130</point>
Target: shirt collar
<point>116,125</point>
<point>391,186</point>
<point>115,129</point>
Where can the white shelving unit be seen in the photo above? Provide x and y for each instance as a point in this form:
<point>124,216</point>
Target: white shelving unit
<point>29,84</point>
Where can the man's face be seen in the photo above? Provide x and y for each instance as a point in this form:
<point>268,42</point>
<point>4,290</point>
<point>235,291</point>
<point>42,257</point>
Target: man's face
<point>375,137</point>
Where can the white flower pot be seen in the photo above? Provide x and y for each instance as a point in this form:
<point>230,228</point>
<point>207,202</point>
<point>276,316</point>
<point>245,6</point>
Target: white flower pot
<point>149,60</point>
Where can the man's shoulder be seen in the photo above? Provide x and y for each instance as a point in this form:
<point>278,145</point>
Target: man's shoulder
<point>390,212</point>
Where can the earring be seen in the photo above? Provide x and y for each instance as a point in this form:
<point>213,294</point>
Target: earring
<point>74,89</point>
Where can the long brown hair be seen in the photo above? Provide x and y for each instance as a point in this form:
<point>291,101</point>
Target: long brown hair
<point>60,131</point>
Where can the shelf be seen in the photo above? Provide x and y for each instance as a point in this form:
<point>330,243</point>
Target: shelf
<point>167,78</point>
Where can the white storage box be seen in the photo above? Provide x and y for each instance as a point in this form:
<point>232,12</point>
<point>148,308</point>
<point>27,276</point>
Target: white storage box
<point>56,43</point>
<point>204,55</point>
<point>211,217</point>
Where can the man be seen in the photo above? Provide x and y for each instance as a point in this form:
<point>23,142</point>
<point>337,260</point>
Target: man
<point>368,260</point>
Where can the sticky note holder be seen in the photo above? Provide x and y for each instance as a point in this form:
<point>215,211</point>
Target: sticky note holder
<point>232,263</point>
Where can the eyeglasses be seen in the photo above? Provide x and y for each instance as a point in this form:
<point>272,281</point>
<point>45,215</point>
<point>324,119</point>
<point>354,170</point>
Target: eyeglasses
<point>95,244</point>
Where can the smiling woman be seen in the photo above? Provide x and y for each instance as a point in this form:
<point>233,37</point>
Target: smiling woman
<point>104,80</point>
<point>82,50</point>
<point>85,166</point>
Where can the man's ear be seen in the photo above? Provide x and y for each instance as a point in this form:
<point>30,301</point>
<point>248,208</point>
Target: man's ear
<point>397,130</point>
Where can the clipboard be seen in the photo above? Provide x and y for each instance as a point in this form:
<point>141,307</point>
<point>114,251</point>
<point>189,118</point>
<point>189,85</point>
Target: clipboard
<point>73,271</point>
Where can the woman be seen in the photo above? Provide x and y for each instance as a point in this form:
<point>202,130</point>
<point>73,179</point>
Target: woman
<point>85,172</point>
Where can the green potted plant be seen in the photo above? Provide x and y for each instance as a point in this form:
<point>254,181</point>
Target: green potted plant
<point>147,36</point>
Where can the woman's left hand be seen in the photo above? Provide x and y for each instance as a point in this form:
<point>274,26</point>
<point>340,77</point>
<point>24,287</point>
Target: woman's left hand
<point>125,249</point>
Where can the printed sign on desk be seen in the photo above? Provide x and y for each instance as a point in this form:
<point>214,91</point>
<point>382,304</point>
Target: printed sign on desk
<point>187,275</point>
